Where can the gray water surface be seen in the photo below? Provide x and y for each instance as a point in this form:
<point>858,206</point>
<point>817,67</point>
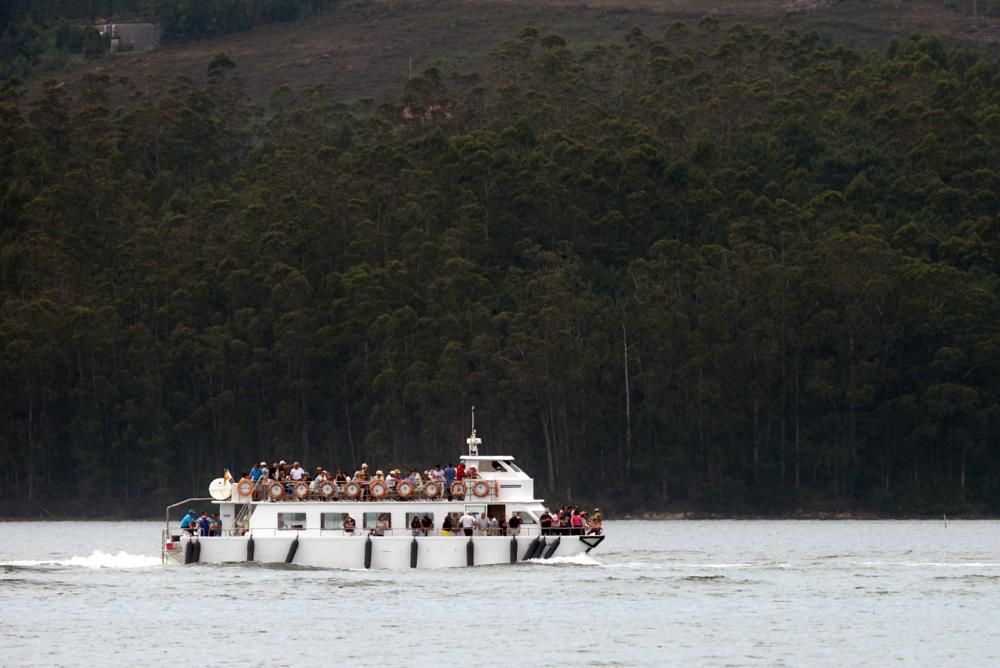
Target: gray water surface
<point>717,593</point>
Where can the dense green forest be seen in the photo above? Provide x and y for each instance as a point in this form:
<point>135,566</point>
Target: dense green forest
<point>720,270</point>
<point>44,35</point>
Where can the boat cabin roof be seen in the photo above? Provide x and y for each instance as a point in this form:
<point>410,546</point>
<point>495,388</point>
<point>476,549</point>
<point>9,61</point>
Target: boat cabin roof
<point>491,463</point>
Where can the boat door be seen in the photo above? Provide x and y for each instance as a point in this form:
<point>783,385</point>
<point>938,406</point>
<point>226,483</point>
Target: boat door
<point>497,510</point>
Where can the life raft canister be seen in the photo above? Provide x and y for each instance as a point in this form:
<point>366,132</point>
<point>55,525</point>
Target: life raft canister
<point>458,489</point>
<point>301,490</point>
<point>352,490</point>
<point>275,490</point>
<point>481,488</point>
<point>404,489</point>
<point>377,488</point>
<point>245,488</point>
<point>432,490</point>
<point>328,490</point>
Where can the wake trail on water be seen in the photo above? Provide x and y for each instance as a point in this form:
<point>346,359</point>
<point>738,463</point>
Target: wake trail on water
<point>97,559</point>
<point>575,560</point>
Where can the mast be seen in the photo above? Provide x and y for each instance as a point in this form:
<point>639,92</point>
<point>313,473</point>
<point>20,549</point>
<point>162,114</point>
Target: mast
<point>473,440</point>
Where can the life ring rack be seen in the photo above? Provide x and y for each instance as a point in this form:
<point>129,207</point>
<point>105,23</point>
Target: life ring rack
<point>481,488</point>
<point>328,490</point>
<point>301,490</point>
<point>378,489</point>
<point>275,490</point>
<point>432,490</point>
<point>245,488</point>
<point>352,489</point>
<point>405,489</point>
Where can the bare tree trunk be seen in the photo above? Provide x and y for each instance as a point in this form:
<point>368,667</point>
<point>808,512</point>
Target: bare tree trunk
<point>549,459</point>
<point>962,470</point>
<point>628,406</point>
<point>756,438</point>
<point>31,450</point>
<point>798,436</point>
<point>350,436</point>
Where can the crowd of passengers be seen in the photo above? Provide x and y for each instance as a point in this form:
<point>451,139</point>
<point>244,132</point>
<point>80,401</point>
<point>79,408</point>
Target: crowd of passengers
<point>202,525</point>
<point>294,473</point>
<point>571,520</point>
<point>568,520</point>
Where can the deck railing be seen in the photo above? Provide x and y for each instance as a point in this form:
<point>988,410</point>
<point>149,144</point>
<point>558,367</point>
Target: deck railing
<point>475,489</point>
<point>174,534</point>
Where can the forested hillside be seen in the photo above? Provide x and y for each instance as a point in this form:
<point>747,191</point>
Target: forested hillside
<point>709,269</point>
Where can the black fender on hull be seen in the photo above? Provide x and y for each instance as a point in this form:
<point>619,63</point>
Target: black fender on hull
<point>196,556</point>
<point>553,546</point>
<point>292,549</point>
<point>368,552</point>
<point>470,554</point>
<point>513,550</point>
<point>189,551</point>
<point>539,548</point>
<point>413,553</point>
<point>531,549</point>
<point>250,548</point>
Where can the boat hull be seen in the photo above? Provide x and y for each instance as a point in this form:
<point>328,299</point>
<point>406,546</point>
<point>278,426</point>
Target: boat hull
<point>385,552</point>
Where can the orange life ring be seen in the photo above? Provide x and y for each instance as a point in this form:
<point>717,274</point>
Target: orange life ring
<point>458,489</point>
<point>432,490</point>
<point>404,489</point>
<point>481,488</point>
<point>301,490</point>
<point>275,490</point>
<point>377,488</point>
<point>328,490</point>
<point>244,488</point>
<point>352,489</point>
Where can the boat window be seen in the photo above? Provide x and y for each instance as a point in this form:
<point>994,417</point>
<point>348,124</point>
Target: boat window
<point>498,466</point>
<point>371,520</point>
<point>291,520</point>
<point>526,518</point>
<point>332,520</point>
<point>513,467</point>
<point>475,510</point>
<point>410,516</point>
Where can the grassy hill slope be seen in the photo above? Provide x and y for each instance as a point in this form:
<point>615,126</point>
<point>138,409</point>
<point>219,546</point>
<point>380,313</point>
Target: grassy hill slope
<point>367,49</point>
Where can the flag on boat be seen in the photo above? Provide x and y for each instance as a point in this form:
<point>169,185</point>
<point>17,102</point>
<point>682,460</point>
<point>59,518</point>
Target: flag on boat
<point>227,476</point>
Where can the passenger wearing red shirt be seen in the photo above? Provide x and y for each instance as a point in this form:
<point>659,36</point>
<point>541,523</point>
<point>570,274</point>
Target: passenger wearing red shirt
<point>460,472</point>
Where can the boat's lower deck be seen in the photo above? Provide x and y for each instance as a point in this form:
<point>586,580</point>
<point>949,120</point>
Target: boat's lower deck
<point>388,552</point>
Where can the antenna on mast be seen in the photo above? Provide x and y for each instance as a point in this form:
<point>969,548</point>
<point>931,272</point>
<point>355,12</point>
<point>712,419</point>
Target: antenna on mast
<point>474,441</point>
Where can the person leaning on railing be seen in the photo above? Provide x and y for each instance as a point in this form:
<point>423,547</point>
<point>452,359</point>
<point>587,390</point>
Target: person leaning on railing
<point>595,522</point>
<point>189,522</point>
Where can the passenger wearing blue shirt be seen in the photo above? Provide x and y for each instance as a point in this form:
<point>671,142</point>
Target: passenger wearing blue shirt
<point>255,473</point>
<point>205,523</point>
<point>190,520</point>
<point>449,477</point>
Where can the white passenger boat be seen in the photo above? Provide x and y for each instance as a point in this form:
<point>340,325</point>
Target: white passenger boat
<point>265,523</point>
